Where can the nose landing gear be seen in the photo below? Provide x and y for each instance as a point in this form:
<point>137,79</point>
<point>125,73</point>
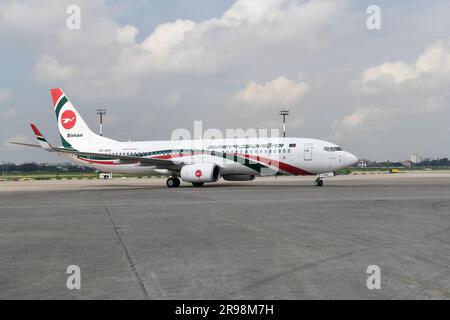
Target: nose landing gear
<point>318,182</point>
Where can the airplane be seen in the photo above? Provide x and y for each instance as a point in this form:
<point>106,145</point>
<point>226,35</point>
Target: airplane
<point>193,161</point>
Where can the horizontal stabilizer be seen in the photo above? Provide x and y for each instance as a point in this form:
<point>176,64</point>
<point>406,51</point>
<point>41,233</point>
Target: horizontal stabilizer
<point>25,144</point>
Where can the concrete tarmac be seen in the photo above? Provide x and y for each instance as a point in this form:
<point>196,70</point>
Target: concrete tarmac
<point>270,238</point>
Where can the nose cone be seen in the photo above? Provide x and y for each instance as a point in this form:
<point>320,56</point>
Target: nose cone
<point>350,159</point>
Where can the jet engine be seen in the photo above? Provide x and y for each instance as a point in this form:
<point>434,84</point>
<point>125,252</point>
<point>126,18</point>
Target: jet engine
<point>200,172</point>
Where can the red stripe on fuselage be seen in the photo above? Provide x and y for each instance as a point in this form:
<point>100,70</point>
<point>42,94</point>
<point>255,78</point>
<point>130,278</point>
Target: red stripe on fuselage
<point>275,163</point>
<point>105,162</point>
<point>278,164</point>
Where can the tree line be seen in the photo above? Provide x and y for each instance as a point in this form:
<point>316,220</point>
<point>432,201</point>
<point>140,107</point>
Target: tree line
<point>43,167</point>
<point>444,162</point>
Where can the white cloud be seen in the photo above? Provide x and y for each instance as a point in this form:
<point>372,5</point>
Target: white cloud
<point>434,63</point>
<point>37,23</point>
<point>396,72</point>
<point>251,11</point>
<point>28,16</point>
<point>126,35</point>
<point>48,69</point>
<point>166,36</point>
<point>435,59</point>
<point>244,30</point>
<point>356,118</point>
<point>403,91</point>
<point>279,92</point>
<point>104,58</point>
<point>359,119</point>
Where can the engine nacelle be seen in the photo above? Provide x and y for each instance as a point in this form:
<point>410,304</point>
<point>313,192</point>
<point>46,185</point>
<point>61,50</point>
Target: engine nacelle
<point>200,172</point>
<point>238,177</point>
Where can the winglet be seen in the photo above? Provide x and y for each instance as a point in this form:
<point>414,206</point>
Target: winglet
<point>36,131</point>
<point>42,141</point>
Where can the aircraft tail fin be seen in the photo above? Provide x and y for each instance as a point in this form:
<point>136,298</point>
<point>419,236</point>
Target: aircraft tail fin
<point>75,133</point>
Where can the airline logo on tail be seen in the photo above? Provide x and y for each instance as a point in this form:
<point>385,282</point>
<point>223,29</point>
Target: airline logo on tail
<point>68,119</point>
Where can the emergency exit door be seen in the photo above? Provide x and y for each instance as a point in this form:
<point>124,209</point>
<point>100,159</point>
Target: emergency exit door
<point>307,154</point>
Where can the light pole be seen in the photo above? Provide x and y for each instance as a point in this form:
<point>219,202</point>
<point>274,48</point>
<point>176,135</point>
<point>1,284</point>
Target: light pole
<point>101,113</point>
<point>284,113</point>
<point>4,169</point>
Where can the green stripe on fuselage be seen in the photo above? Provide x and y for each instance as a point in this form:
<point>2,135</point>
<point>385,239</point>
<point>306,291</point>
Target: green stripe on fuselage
<point>256,166</point>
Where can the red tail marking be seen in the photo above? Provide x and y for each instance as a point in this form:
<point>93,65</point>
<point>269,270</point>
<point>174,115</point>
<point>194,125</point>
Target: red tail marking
<point>56,94</point>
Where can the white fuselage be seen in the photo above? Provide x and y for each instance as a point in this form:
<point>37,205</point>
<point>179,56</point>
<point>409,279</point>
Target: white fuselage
<point>249,156</point>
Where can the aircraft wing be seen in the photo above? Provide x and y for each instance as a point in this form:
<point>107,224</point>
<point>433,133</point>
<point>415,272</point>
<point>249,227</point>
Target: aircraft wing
<point>161,163</point>
<point>44,144</point>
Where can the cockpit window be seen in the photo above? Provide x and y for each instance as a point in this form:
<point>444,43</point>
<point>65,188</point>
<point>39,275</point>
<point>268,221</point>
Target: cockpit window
<point>332,149</point>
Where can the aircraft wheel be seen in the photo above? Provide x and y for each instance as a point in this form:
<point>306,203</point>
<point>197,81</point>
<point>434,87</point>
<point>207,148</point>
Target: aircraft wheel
<point>198,184</point>
<point>318,182</point>
<point>173,182</point>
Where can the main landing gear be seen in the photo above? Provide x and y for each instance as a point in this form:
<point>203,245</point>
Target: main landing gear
<point>198,184</point>
<point>173,182</point>
<point>318,182</point>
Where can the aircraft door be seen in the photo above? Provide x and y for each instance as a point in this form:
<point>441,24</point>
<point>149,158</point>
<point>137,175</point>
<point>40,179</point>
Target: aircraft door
<point>307,152</point>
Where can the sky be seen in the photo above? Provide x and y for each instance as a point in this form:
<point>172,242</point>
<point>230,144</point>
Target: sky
<point>158,66</point>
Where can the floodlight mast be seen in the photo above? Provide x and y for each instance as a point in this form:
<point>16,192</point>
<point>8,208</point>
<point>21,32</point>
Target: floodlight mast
<point>101,112</point>
<point>284,113</point>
